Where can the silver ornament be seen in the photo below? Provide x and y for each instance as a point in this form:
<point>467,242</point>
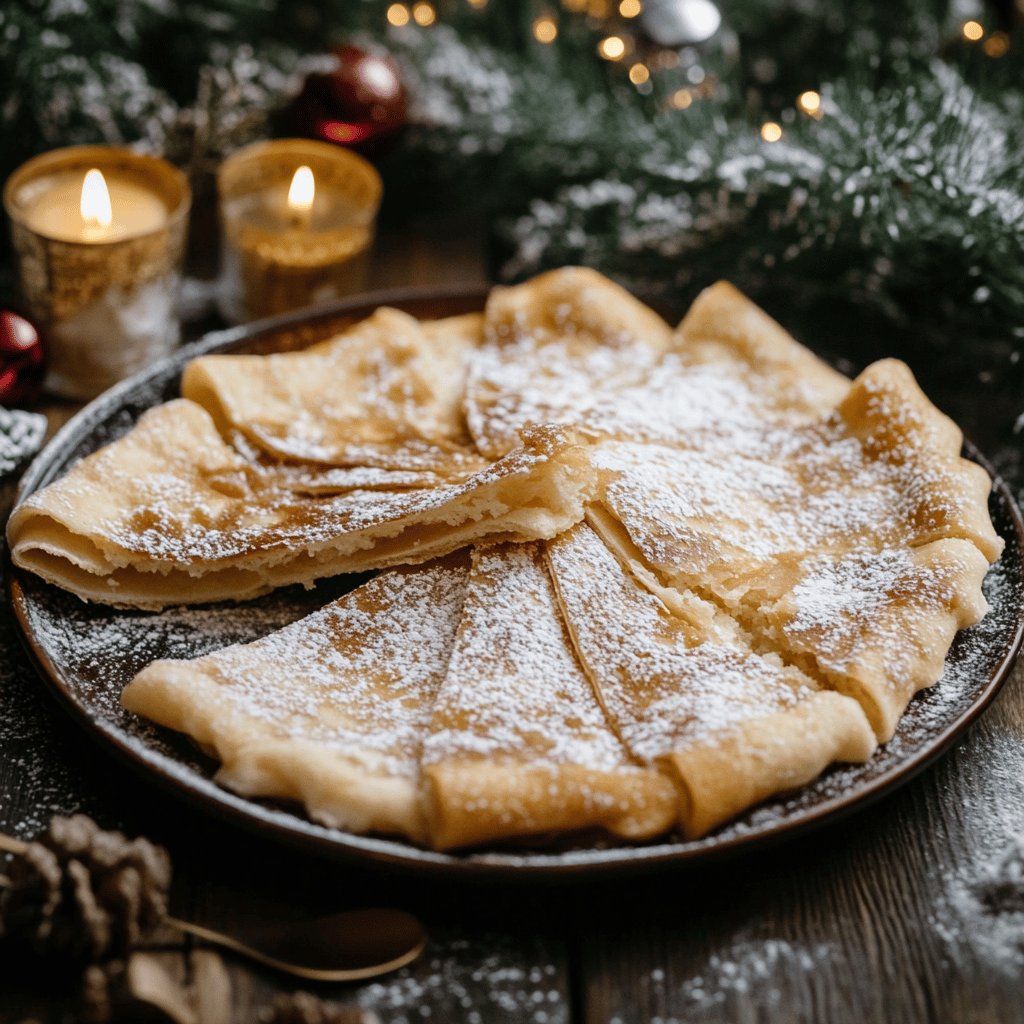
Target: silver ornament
<point>676,23</point>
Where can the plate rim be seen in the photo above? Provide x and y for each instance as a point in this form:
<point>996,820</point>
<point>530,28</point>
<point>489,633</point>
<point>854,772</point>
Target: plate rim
<point>310,837</point>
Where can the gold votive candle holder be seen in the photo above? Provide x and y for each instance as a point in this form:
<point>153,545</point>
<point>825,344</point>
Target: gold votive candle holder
<point>278,256</point>
<point>102,287</point>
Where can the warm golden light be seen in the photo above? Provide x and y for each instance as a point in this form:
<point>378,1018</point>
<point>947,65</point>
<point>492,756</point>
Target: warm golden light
<point>639,73</point>
<point>612,48</point>
<point>478,5</point>
<point>810,103</point>
<point>545,29</point>
<point>398,15</point>
<point>771,131</point>
<point>598,9</point>
<point>996,45</point>
<point>682,98</point>
<point>576,6</point>
<point>972,31</point>
<point>95,202</point>
<point>424,14</point>
<point>630,8</point>
<point>301,192</point>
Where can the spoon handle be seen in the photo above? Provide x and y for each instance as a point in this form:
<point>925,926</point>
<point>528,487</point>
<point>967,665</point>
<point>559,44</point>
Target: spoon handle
<point>216,938</point>
<point>311,973</point>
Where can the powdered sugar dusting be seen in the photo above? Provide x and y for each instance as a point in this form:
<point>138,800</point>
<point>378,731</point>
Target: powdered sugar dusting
<point>514,691</point>
<point>359,676</point>
<point>850,593</point>
<point>454,982</point>
<point>723,509</point>
<point>664,690</point>
<point>745,972</point>
<point>521,384</point>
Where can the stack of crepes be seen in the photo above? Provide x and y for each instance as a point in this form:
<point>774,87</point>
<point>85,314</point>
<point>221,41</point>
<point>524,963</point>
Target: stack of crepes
<point>636,579</point>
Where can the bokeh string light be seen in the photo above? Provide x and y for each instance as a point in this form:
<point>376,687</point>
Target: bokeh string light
<point>398,15</point>
<point>545,29</point>
<point>612,47</point>
<point>424,14</point>
<point>997,44</point>
<point>639,74</point>
<point>809,103</point>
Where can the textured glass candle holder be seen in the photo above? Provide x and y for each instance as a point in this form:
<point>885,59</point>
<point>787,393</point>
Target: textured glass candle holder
<point>107,305</point>
<point>274,260</point>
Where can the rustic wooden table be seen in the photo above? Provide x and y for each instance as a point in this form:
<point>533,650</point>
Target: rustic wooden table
<point>878,918</point>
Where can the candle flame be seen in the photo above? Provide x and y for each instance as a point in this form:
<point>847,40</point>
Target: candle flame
<point>302,191</point>
<point>95,204</point>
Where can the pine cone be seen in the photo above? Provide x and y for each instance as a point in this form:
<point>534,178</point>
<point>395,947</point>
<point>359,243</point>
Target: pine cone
<point>84,894</point>
<point>303,1008</point>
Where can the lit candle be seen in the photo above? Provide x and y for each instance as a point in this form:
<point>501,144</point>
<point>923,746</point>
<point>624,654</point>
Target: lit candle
<point>298,219</point>
<point>99,233</point>
<point>301,194</point>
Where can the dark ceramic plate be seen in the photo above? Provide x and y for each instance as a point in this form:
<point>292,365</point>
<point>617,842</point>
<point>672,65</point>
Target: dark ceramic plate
<point>87,653</point>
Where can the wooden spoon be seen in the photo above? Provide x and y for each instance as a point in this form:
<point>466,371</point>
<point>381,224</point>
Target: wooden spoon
<point>348,946</point>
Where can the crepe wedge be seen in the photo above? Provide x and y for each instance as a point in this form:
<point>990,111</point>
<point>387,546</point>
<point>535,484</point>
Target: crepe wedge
<point>569,346</point>
<point>554,348</point>
<point>713,516</point>
<point>170,513</point>
<point>729,372</point>
<point>875,625</point>
<point>518,744</point>
<point>725,330</point>
<point>329,711</point>
<point>729,726</point>
<point>386,393</point>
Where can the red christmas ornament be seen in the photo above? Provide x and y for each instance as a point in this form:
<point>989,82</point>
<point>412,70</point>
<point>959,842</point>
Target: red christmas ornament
<point>21,360</point>
<point>361,104</point>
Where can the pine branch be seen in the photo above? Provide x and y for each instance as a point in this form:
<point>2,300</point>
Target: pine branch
<point>910,199</point>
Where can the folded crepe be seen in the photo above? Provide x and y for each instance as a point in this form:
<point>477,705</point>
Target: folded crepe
<point>385,393</point>
<point>555,347</point>
<point>329,711</point>
<point>730,727</point>
<point>884,469</point>
<point>170,513</point>
<point>518,744</point>
<point>725,330</point>
<point>416,464</point>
